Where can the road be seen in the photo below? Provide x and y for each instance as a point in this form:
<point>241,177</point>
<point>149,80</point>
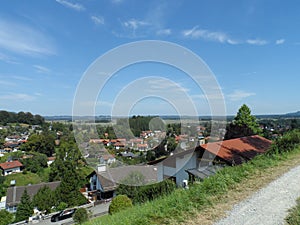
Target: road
<point>96,211</point>
<point>268,206</point>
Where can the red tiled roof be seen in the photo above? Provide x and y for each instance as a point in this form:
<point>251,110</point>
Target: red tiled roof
<point>10,165</point>
<point>237,150</point>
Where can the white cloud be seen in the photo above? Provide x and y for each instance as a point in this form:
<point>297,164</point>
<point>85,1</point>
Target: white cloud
<point>17,97</point>
<point>164,32</point>
<point>135,24</point>
<point>22,39</point>
<point>256,42</point>
<point>279,41</point>
<point>196,33</point>
<point>98,20</point>
<point>41,69</point>
<point>238,95</point>
<point>74,6</point>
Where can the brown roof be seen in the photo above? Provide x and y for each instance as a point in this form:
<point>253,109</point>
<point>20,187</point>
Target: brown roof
<point>14,194</point>
<point>235,151</point>
<point>10,165</point>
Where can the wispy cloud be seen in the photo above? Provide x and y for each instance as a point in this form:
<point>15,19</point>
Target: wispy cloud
<point>41,69</point>
<point>256,42</point>
<point>98,20</point>
<point>6,58</point>
<point>164,32</point>
<point>18,97</point>
<point>74,6</point>
<point>131,27</point>
<point>160,84</point>
<point>238,95</point>
<point>279,41</point>
<point>196,33</point>
<point>22,39</point>
<point>134,23</point>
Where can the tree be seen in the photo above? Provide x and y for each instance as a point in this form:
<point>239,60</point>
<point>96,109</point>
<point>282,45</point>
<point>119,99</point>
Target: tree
<point>42,143</point>
<point>6,217</point>
<point>244,124</point>
<point>80,216</point>
<point>119,203</point>
<point>25,208</point>
<point>44,199</point>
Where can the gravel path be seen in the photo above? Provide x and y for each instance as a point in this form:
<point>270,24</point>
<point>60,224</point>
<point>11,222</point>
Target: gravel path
<point>269,205</point>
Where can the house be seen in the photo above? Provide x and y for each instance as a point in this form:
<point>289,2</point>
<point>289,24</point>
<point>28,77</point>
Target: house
<point>206,159</point>
<point>50,160</point>
<point>103,183</point>
<point>11,167</point>
<point>107,159</point>
<point>14,194</point>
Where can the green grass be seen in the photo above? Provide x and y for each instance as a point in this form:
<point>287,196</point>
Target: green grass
<point>23,179</point>
<point>181,204</point>
<point>294,215</point>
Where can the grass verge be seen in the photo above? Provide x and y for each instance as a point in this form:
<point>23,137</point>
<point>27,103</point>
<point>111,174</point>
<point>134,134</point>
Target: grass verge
<point>294,215</point>
<point>207,201</point>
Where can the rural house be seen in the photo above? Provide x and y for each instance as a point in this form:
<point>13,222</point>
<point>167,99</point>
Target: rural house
<point>206,159</point>
<point>11,167</point>
<point>104,182</point>
<point>14,194</point>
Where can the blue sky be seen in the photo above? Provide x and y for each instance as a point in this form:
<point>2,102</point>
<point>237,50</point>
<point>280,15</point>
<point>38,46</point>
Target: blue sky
<point>252,47</point>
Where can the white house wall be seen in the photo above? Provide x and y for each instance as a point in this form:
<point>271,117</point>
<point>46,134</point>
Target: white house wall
<point>188,161</point>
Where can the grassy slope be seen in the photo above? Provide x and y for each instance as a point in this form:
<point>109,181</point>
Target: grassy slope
<point>23,179</point>
<point>205,202</point>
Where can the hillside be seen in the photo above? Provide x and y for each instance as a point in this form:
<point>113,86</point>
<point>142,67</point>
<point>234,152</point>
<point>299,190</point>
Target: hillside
<point>206,202</point>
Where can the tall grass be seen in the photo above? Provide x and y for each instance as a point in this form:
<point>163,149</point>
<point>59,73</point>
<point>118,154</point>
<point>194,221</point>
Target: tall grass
<point>294,215</point>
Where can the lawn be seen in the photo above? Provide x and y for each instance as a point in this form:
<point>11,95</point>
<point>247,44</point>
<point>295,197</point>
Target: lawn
<point>23,179</point>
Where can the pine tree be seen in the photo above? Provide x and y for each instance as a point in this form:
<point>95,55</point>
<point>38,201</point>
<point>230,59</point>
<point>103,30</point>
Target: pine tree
<point>44,199</point>
<point>244,124</point>
<point>25,208</point>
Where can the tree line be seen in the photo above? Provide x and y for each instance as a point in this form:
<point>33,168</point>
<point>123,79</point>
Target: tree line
<point>20,117</point>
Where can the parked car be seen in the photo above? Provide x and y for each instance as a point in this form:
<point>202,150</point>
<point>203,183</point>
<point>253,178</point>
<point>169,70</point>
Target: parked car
<point>65,214</point>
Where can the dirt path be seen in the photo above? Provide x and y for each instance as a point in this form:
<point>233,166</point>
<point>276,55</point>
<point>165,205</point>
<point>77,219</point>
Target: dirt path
<point>269,205</point>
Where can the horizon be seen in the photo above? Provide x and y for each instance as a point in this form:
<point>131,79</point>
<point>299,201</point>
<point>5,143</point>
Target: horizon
<point>251,48</point>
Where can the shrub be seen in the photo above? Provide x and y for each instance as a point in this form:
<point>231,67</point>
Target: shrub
<point>119,203</point>
<point>286,143</point>
<point>6,217</point>
<point>141,194</point>
<point>80,216</point>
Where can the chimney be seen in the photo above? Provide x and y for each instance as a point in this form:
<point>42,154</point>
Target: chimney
<point>101,168</point>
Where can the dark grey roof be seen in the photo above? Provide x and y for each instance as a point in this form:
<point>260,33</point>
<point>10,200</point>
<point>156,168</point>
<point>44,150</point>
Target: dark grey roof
<point>14,194</point>
<point>113,176</point>
<point>205,172</point>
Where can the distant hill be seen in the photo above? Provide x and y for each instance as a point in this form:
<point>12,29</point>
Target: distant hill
<point>295,114</point>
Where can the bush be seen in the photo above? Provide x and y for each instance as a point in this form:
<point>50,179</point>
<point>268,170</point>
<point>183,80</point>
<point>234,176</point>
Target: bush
<point>286,143</point>
<point>61,206</point>
<point>141,194</point>
<point>80,216</point>
<point>119,203</point>
<point>6,217</point>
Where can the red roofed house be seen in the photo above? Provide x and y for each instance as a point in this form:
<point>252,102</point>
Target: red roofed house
<point>11,167</point>
<point>206,159</point>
